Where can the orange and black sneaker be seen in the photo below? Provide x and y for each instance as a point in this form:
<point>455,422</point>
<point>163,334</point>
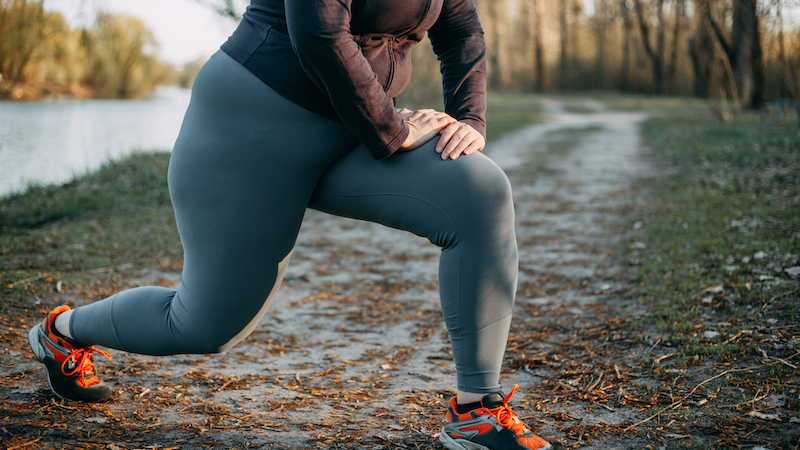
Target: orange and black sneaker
<point>491,426</point>
<point>70,370</point>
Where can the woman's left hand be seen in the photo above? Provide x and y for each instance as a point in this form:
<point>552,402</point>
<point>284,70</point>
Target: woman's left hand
<point>458,138</point>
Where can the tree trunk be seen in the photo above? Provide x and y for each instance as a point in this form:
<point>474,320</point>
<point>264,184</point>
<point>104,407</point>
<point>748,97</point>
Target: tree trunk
<point>680,11</point>
<point>493,59</point>
<point>563,69</point>
<point>627,44</point>
<point>743,50</point>
<point>601,24</point>
<point>655,55</point>
<point>541,74</point>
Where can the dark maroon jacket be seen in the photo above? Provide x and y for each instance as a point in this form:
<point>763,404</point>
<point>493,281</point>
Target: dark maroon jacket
<point>348,59</point>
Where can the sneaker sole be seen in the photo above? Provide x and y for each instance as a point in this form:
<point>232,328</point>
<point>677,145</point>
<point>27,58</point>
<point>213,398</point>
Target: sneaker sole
<point>463,444</point>
<point>460,444</point>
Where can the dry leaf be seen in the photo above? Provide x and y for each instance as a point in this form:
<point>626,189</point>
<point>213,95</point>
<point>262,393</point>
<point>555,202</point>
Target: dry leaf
<point>763,416</point>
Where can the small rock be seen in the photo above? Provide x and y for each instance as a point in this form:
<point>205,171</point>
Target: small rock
<point>605,287</point>
<point>97,419</point>
<point>710,334</point>
<point>792,271</point>
<point>760,255</point>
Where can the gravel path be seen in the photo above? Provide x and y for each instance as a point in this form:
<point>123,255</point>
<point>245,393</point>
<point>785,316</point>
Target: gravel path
<point>353,353</point>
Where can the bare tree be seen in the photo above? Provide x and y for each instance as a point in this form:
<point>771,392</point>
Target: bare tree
<point>602,20</point>
<point>541,71</point>
<point>677,31</point>
<point>741,46</point>
<point>655,55</point>
<point>564,42</point>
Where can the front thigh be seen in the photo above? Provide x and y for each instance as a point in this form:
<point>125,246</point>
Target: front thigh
<point>416,191</point>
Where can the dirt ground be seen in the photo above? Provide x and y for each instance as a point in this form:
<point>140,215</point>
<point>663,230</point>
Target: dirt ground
<point>354,354</point>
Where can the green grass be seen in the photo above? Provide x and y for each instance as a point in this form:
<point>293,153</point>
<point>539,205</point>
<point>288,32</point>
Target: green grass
<point>648,103</point>
<point>552,147</point>
<point>507,112</point>
<point>99,227</point>
<point>139,179</point>
<point>720,231</point>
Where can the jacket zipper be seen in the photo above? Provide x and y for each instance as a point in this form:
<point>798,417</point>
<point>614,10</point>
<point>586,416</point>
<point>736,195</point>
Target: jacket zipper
<point>389,80</point>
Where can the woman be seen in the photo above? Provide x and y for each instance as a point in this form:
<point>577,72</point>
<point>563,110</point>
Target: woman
<point>297,111</point>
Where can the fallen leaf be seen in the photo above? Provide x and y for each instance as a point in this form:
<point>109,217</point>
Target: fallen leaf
<point>677,436</point>
<point>763,416</point>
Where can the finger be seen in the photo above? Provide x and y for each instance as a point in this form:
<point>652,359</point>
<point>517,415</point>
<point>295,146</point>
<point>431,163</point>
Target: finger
<point>476,145</point>
<point>444,137</point>
<point>463,147</point>
<point>454,142</point>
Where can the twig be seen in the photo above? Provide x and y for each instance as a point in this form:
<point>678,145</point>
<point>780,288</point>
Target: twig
<point>678,402</point>
<point>226,384</point>
<point>391,442</point>
<point>30,279</point>
<point>591,388</point>
<point>25,444</point>
<point>251,415</point>
<point>655,345</point>
<point>566,386</point>
<point>61,406</point>
<point>661,358</point>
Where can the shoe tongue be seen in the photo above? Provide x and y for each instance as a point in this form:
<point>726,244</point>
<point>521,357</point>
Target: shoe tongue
<point>492,401</point>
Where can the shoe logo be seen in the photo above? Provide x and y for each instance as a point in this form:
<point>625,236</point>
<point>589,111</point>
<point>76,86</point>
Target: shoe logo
<point>477,430</point>
<point>54,353</point>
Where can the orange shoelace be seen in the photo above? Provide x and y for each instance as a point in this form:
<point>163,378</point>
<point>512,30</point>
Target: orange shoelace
<point>507,418</point>
<point>83,362</point>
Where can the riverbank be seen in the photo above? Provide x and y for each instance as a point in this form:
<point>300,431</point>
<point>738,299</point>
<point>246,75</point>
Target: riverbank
<point>656,306</point>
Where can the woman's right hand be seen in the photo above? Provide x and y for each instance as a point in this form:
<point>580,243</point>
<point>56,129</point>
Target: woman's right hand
<point>424,125</point>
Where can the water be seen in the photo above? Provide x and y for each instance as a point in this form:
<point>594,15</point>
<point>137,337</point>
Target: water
<point>52,142</point>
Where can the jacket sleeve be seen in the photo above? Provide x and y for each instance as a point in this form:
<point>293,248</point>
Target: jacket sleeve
<point>321,38</point>
<point>457,39</point>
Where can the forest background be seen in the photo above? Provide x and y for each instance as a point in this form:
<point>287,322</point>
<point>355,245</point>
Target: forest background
<point>743,51</point>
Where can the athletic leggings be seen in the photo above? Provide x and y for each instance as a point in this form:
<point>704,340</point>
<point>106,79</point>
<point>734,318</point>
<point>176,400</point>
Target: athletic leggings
<point>245,167</point>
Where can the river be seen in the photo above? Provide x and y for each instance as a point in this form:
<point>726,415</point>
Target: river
<point>51,142</point>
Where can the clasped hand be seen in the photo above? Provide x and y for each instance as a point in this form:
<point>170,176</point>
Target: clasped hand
<point>455,138</point>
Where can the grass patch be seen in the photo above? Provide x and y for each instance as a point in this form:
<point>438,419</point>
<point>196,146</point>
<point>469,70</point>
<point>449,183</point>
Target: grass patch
<point>139,179</point>
<point>717,248</point>
<point>507,112</point>
<point>88,233</point>
<point>648,103</point>
<point>554,146</point>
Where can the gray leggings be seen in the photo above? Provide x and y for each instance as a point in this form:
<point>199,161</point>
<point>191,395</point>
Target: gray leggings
<point>245,167</point>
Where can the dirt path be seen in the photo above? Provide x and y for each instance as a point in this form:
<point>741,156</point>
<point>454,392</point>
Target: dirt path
<point>353,353</point>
